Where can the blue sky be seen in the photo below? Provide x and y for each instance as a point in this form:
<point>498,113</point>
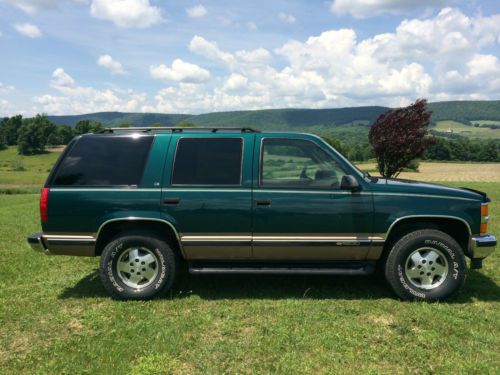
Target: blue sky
<point>79,56</point>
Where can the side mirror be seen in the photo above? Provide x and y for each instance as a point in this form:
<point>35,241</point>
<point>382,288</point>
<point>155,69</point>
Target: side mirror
<point>349,182</point>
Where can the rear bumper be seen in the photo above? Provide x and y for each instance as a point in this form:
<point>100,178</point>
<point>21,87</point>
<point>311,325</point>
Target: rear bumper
<point>62,244</point>
<point>37,244</point>
<point>482,246</point>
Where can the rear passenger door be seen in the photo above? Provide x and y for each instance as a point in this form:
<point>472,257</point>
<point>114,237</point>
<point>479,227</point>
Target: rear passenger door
<point>206,194</point>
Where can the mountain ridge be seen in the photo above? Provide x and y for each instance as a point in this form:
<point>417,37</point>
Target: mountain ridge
<point>288,118</point>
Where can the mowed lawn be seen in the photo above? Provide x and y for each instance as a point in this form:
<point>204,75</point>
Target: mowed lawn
<point>56,318</point>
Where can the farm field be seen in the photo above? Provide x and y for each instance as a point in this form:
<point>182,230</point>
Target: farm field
<point>468,131</point>
<point>447,172</point>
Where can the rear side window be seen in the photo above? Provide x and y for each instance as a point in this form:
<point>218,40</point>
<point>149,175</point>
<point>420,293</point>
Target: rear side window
<point>208,161</point>
<point>104,161</point>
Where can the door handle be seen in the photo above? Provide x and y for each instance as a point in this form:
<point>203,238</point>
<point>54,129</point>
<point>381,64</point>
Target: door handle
<point>171,201</point>
<point>263,202</point>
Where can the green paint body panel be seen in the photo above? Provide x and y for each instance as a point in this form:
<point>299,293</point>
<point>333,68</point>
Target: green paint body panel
<point>232,210</point>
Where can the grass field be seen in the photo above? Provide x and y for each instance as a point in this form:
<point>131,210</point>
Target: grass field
<point>466,130</point>
<point>56,317</point>
<point>25,173</point>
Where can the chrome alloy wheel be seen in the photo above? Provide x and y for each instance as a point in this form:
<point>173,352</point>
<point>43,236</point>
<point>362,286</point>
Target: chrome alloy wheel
<point>426,268</point>
<point>137,267</point>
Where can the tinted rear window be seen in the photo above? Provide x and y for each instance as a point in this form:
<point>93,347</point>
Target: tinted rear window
<point>104,161</point>
<point>208,161</point>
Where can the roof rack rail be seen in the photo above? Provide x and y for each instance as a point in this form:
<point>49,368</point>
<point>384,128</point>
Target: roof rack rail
<point>175,130</point>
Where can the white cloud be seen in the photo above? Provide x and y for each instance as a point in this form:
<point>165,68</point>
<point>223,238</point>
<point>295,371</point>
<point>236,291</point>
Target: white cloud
<point>76,99</point>
<point>235,82</point>
<point>196,11</point>
<point>210,50</point>
<point>252,25</point>
<point>126,13</point>
<point>33,6</point>
<point>29,30</point>
<point>6,89</point>
<point>287,18</point>
<point>370,8</point>
<point>180,71</point>
<point>115,67</point>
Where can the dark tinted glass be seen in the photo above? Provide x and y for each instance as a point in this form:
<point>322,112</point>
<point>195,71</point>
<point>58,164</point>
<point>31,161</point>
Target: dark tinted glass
<point>104,161</point>
<point>208,161</point>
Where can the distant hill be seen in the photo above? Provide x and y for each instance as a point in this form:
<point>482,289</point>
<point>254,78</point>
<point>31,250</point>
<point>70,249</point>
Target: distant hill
<point>110,119</point>
<point>293,119</point>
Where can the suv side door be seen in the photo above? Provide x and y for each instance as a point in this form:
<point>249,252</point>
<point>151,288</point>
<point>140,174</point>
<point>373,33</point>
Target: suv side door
<point>206,193</point>
<point>299,210</point>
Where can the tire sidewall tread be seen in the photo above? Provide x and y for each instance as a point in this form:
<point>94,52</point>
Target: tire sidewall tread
<point>396,262</point>
<point>111,253</point>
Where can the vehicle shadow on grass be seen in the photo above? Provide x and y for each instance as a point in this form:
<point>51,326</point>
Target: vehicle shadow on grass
<point>213,287</point>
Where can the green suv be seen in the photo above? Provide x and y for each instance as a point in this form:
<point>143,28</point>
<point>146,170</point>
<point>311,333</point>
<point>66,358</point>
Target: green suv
<point>148,200</point>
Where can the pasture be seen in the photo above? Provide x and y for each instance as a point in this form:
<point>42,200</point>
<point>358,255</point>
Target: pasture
<point>56,317</point>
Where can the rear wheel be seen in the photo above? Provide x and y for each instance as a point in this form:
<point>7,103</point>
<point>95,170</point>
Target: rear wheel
<point>137,266</point>
<point>426,265</point>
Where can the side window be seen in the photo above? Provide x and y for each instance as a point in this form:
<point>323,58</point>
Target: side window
<point>104,161</point>
<point>208,161</point>
<point>297,163</point>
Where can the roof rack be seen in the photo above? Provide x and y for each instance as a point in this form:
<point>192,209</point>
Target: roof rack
<point>175,130</point>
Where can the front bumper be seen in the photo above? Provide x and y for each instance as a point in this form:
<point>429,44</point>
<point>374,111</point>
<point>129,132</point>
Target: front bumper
<point>482,246</point>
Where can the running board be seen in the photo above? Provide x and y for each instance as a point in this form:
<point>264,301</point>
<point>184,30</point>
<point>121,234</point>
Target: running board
<point>280,269</point>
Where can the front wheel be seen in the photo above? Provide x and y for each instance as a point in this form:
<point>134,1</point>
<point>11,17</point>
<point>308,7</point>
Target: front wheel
<point>426,265</point>
<point>137,266</point>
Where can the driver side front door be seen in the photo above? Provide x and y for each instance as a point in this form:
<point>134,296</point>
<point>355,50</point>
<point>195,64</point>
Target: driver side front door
<point>299,211</point>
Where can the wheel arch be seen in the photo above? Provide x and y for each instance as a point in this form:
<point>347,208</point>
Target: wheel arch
<point>455,226</point>
<point>111,228</point>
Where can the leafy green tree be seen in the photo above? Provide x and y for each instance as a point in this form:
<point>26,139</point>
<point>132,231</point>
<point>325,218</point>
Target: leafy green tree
<point>3,141</point>
<point>337,145</point>
<point>87,126</point>
<point>65,134</point>
<point>186,124</point>
<point>30,139</point>
<point>33,134</point>
<point>9,126</point>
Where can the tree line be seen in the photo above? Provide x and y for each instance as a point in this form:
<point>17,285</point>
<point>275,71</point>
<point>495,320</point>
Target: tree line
<point>33,135</point>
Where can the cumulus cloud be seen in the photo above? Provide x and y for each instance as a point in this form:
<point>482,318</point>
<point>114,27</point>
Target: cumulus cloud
<point>126,13</point>
<point>210,50</point>
<point>287,18</point>
<point>6,89</point>
<point>115,67</point>
<point>196,11</point>
<point>370,8</point>
<point>28,30</point>
<point>180,71</point>
<point>74,99</point>
<point>447,56</point>
<point>33,6</point>
<point>252,25</point>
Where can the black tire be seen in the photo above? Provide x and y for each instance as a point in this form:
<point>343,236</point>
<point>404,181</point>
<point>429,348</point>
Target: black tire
<point>400,265</point>
<point>164,267</point>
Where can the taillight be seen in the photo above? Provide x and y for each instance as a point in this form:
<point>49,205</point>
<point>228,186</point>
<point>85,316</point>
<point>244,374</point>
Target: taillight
<point>44,205</point>
<point>484,218</point>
